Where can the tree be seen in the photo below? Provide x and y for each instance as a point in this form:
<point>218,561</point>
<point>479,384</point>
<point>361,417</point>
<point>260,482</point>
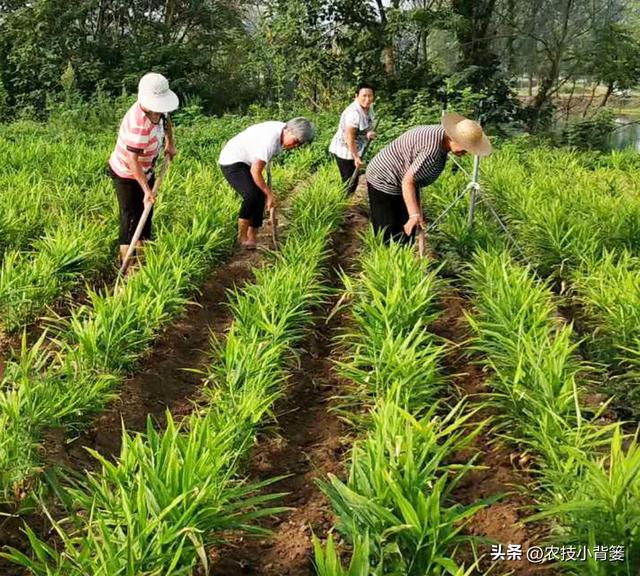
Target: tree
<point>279,50</point>
<point>474,31</point>
<point>615,58</point>
<point>558,34</point>
<point>113,42</point>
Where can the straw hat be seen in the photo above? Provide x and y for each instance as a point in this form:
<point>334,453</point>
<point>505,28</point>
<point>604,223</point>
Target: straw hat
<point>467,133</point>
<point>154,94</point>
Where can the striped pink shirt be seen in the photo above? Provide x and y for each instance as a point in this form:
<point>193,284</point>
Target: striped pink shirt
<point>137,134</point>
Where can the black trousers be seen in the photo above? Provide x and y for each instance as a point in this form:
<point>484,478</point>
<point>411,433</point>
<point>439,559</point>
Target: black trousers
<point>389,215</point>
<point>131,202</point>
<point>253,199</point>
<point>347,168</point>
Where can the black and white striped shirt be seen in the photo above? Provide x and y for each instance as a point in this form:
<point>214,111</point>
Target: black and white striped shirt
<point>419,150</point>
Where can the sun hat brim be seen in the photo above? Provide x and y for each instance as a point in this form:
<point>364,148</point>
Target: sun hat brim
<point>167,102</point>
<point>450,123</point>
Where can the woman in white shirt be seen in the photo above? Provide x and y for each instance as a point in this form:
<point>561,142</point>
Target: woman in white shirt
<point>354,130</point>
<point>243,160</point>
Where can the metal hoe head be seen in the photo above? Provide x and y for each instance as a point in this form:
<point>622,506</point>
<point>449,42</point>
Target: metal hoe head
<point>421,243</point>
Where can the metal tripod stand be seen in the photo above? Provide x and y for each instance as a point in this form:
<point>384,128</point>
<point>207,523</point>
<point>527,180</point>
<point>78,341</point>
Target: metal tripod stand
<point>476,195</point>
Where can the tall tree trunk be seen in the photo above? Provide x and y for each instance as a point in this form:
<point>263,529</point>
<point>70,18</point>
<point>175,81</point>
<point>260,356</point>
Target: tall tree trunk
<point>591,98</point>
<point>570,100</point>
<point>100,20</point>
<point>169,13</point>
<point>425,48</point>
<point>388,51</point>
<point>545,84</point>
<point>553,71</point>
<point>473,33</point>
<point>389,60</point>
<point>607,94</point>
<point>511,54</point>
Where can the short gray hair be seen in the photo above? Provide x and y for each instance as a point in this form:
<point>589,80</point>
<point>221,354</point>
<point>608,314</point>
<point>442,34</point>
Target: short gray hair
<point>301,129</point>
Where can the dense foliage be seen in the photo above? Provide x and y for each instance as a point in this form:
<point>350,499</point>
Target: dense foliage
<point>226,55</point>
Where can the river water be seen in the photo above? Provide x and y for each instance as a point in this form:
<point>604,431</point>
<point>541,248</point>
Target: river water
<point>627,133</point>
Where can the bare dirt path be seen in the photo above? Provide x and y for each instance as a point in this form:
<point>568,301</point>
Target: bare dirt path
<point>166,380</point>
<point>312,443</point>
<point>504,473</point>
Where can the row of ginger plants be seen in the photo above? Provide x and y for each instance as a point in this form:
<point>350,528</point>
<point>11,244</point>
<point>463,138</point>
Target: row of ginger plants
<point>576,218</point>
<point>572,217</point>
<point>587,469</point>
<point>58,229</point>
<point>76,366</point>
<point>172,494</point>
<point>395,507</point>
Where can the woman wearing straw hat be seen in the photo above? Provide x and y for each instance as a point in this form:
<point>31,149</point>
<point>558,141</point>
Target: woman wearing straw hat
<point>143,130</point>
<point>412,161</point>
<point>354,131</point>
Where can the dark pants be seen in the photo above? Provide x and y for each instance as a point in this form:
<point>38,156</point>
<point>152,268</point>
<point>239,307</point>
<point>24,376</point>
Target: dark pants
<point>347,168</point>
<point>389,215</point>
<point>131,202</point>
<point>253,199</point>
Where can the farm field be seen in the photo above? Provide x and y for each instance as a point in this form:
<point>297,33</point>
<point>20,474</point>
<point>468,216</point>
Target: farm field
<point>335,407</point>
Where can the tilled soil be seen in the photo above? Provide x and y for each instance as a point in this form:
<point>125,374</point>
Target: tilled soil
<point>312,443</point>
<point>165,382</point>
<point>503,471</point>
<point>172,375</point>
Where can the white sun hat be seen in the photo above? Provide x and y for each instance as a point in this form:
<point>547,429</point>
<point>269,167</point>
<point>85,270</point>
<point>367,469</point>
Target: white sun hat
<point>154,94</point>
<point>467,133</point>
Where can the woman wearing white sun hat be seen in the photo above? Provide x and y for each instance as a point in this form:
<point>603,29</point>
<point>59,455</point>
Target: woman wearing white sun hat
<point>414,160</point>
<point>143,131</point>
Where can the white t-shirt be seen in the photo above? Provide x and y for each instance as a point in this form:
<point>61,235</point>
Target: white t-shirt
<point>353,116</point>
<point>258,142</point>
